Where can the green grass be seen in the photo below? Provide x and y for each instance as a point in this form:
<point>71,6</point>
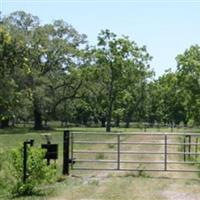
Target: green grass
<point>14,137</point>
<point>75,188</point>
<point>119,188</point>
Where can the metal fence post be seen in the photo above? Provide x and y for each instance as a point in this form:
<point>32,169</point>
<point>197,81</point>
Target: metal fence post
<point>184,149</point>
<point>24,161</point>
<point>66,152</point>
<point>72,149</point>
<point>25,157</point>
<point>165,152</point>
<point>196,148</point>
<point>189,147</point>
<point>118,151</point>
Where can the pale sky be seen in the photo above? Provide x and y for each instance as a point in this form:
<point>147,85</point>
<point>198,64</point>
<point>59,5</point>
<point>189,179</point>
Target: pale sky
<point>167,28</point>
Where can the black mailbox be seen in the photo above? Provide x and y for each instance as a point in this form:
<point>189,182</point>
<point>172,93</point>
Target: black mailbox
<point>52,151</point>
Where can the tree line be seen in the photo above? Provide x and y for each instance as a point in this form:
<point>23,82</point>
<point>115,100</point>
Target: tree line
<point>50,72</point>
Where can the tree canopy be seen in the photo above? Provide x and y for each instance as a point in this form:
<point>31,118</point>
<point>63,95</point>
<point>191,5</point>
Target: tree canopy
<point>50,72</point>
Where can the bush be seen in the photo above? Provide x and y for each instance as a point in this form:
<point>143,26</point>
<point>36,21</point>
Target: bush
<point>5,178</point>
<point>37,171</point>
<point>1,159</point>
<point>1,170</point>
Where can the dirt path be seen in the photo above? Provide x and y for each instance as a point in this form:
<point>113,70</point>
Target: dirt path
<point>157,157</point>
<point>103,185</point>
<point>174,191</point>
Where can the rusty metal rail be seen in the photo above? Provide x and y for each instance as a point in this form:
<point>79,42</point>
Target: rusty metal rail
<point>185,145</point>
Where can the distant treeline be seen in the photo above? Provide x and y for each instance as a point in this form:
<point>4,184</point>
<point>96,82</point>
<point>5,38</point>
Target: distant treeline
<point>50,72</point>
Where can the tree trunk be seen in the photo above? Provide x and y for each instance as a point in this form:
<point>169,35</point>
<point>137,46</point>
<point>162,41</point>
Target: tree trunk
<point>108,125</point>
<point>85,121</point>
<point>128,116</point>
<point>65,123</point>
<point>5,123</point>
<point>110,102</point>
<point>37,116</point>
<point>37,120</point>
<point>128,119</point>
<point>13,123</point>
<point>24,123</point>
<point>45,122</point>
<point>117,121</point>
<point>95,120</point>
<point>109,116</point>
<point>103,122</point>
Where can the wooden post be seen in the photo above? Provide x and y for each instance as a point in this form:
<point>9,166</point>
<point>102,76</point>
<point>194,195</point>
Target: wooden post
<point>66,152</point>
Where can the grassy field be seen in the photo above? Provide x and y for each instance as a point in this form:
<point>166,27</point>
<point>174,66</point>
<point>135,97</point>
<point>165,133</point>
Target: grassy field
<point>121,186</point>
<point>104,185</point>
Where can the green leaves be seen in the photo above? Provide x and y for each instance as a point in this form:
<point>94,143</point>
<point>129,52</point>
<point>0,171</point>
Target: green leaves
<point>50,72</point>
<point>120,64</point>
<point>12,70</point>
<point>37,170</point>
<point>40,60</point>
<point>189,81</point>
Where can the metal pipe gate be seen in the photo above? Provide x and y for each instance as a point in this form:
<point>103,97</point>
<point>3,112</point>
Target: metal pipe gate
<point>124,145</point>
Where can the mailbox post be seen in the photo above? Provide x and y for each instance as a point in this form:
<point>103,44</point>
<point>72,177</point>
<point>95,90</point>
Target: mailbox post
<point>25,156</point>
<point>48,159</point>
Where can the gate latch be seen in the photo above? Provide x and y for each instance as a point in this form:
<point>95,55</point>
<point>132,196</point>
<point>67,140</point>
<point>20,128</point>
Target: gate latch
<point>72,161</point>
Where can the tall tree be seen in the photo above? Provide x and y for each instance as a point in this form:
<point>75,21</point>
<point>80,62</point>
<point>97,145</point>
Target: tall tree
<point>13,63</point>
<point>115,60</point>
<point>53,56</point>
<point>165,100</point>
<point>189,82</point>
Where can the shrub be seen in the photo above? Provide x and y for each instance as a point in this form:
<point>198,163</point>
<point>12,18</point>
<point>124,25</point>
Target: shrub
<point>37,171</point>
<point>1,170</point>
<point>5,178</point>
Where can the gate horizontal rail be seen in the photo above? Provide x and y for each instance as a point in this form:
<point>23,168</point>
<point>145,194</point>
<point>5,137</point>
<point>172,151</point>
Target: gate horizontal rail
<point>135,143</point>
<point>130,169</point>
<point>137,133</point>
<point>130,161</point>
<point>138,152</point>
<point>120,142</point>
